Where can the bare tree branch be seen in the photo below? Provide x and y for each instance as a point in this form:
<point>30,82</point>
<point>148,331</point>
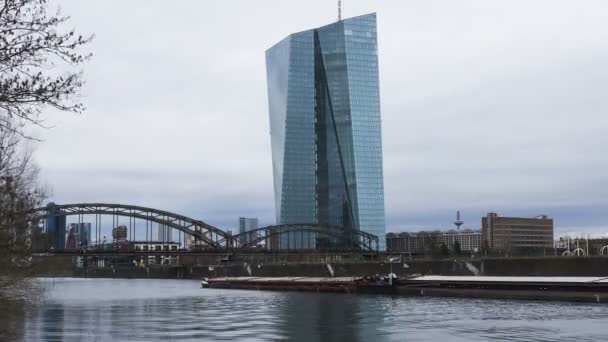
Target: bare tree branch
<point>19,193</point>
<point>32,46</point>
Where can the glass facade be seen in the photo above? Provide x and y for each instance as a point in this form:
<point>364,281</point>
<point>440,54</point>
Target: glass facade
<point>56,226</point>
<point>325,128</point>
<point>247,224</point>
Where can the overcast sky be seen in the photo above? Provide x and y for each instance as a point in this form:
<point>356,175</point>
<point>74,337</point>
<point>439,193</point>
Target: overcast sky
<point>486,106</point>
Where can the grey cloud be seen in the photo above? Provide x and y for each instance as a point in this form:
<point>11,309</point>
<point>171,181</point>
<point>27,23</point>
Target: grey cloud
<point>486,106</point>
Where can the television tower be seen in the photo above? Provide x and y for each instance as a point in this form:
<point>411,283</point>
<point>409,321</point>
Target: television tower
<point>458,222</point>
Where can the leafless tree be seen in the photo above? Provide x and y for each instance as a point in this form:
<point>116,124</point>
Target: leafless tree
<point>38,62</point>
<point>19,194</point>
<point>39,70</point>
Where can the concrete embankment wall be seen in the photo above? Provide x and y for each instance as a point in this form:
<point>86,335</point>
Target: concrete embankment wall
<point>557,266</point>
<point>338,269</point>
<point>566,266</point>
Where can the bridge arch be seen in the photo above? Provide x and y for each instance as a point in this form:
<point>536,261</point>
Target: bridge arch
<point>206,233</point>
<point>351,239</point>
<point>579,252</point>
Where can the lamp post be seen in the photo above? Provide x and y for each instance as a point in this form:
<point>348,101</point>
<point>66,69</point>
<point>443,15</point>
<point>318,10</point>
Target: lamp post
<point>390,275</point>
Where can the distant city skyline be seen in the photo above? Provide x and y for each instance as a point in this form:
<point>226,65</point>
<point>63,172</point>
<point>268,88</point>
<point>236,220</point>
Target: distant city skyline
<point>486,107</point>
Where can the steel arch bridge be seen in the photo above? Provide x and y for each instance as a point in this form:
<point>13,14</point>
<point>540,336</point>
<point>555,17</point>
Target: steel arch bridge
<point>271,236</point>
<point>211,237</point>
<point>206,233</point>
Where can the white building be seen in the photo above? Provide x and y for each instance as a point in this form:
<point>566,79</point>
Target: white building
<point>427,241</point>
<point>165,234</point>
<point>157,246</point>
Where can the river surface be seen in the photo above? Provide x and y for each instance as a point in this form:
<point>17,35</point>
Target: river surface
<point>178,310</point>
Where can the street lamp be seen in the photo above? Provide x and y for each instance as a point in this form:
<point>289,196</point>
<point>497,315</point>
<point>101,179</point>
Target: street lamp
<point>391,260</point>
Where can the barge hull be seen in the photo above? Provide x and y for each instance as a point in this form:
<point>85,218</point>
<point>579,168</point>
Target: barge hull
<point>536,295</point>
<point>579,289</point>
<point>303,284</point>
<point>588,289</point>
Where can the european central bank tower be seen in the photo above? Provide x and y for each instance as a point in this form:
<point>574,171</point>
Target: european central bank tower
<point>325,129</point>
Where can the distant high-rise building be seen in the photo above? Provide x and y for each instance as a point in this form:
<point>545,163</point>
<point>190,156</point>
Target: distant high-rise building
<point>119,237</point>
<point>72,241</point>
<point>247,224</point>
<point>79,235</point>
<point>165,234</point>
<point>56,226</point>
<point>325,129</point>
<point>84,234</point>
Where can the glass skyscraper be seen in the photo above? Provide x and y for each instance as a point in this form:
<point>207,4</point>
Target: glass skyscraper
<point>247,224</point>
<point>324,103</point>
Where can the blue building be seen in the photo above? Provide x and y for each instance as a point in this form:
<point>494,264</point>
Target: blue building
<point>247,224</point>
<point>84,234</point>
<point>324,104</point>
<point>56,225</point>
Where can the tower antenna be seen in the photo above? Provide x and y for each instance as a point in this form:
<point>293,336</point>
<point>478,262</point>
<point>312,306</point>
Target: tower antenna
<point>339,10</point>
<point>458,221</point>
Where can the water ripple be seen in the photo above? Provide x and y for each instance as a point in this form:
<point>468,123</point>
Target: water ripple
<point>153,310</point>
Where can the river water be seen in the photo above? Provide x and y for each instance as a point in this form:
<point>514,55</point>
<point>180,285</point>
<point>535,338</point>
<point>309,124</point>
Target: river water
<point>178,310</point>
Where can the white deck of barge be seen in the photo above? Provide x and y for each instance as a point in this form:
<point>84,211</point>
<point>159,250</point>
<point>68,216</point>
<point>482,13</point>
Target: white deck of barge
<point>428,278</point>
<point>574,280</point>
<point>285,279</point>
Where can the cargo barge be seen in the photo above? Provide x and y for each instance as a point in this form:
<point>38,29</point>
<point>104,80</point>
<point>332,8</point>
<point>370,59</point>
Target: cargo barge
<point>310,284</point>
<point>585,289</point>
<point>580,289</point>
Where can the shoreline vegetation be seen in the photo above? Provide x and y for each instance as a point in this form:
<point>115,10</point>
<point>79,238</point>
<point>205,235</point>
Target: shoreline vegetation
<point>40,70</point>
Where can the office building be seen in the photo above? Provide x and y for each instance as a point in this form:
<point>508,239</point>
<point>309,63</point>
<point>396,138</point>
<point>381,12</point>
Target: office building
<point>469,240</point>
<point>79,235</point>
<point>324,104</point>
<point>516,233</point>
<point>84,232</point>
<point>428,242</point>
<point>72,240</point>
<point>119,238</point>
<point>56,226</point>
<point>165,234</point>
<point>247,224</point>
<point>155,246</point>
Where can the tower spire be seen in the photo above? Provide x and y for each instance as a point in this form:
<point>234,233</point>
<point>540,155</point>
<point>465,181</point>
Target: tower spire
<point>339,10</point>
<point>458,221</point>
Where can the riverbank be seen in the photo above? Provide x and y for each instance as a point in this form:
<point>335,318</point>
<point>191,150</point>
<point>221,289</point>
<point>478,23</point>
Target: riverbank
<point>282,265</point>
<point>213,266</point>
